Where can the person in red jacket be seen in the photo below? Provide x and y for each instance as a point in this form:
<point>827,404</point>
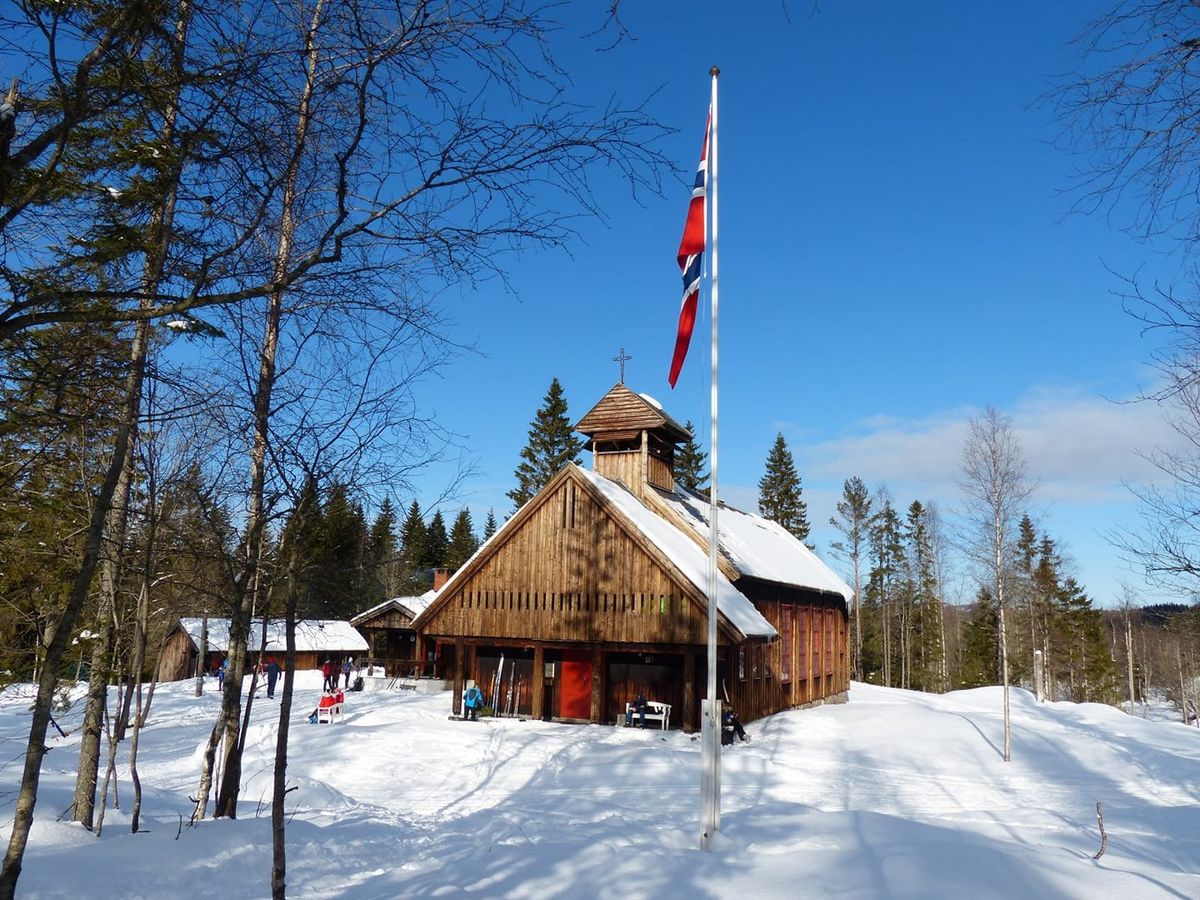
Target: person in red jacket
<point>330,677</point>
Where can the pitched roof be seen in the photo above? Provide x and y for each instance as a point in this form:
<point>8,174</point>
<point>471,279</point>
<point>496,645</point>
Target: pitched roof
<point>312,635</point>
<point>758,547</point>
<point>412,606</point>
<point>688,556</point>
<point>621,410</point>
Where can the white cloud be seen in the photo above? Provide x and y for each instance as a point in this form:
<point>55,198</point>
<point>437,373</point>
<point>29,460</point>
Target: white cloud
<point>1079,448</point>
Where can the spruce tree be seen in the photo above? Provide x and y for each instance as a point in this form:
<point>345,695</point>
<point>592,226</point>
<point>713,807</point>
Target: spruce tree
<point>779,491</point>
<point>340,591</point>
<point>552,445</point>
<point>981,643</point>
<point>436,543</point>
<point>412,548</point>
<point>489,525</point>
<point>689,465</point>
<point>463,543</point>
<point>381,553</point>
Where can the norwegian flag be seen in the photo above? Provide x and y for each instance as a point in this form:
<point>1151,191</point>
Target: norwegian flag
<point>691,255</point>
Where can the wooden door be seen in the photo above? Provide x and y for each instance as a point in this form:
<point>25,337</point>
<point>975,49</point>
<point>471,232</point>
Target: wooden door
<point>575,686</point>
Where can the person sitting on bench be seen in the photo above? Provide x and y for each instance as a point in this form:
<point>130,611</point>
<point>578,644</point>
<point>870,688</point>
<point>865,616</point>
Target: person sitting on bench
<point>639,705</point>
<point>731,725</point>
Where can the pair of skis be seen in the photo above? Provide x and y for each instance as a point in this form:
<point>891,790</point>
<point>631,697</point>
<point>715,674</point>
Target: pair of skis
<point>505,700</point>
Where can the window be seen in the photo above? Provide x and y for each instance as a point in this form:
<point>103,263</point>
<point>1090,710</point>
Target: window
<point>741,663</point>
<point>785,643</point>
<point>802,642</point>
<point>829,626</point>
<point>755,652</point>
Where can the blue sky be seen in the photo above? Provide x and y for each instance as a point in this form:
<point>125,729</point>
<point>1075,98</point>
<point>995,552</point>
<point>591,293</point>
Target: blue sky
<point>896,255</point>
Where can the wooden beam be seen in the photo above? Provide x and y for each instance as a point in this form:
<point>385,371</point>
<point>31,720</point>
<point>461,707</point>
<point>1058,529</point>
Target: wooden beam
<point>460,651</point>
<point>538,682</point>
<point>689,692</point>
<point>596,684</point>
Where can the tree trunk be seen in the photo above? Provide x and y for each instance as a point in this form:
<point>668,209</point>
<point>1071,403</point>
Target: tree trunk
<point>116,508</point>
<point>1129,659</point>
<point>201,664</point>
<point>278,822</point>
<point>227,796</point>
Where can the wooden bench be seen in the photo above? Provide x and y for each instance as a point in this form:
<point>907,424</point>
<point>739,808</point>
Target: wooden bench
<point>330,708</point>
<point>655,712</point>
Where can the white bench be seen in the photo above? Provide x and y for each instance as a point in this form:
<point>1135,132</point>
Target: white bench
<point>655,712</point>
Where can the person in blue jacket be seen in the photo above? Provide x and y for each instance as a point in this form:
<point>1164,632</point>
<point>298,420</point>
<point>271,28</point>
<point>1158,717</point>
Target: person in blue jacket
<point>221,673</point>
<point>472,703</point>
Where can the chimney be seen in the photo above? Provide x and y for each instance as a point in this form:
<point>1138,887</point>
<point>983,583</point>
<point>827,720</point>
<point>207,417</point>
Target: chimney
<point>440,577</point>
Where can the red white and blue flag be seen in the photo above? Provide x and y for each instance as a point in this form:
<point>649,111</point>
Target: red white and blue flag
<point>691,257</point>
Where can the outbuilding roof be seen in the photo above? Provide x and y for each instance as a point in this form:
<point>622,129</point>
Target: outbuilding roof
<point>411,606</point>
<point>312,635</point>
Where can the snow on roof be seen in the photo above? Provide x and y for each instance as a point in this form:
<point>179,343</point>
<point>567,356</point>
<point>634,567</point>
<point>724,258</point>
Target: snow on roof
<point>312,635</point>
<point>651,401</point>
<point>415,605</point>
<point>688,556</point>
<point>760,548</point>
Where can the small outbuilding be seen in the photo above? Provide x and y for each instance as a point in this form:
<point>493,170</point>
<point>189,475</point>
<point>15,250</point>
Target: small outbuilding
<point>388,629</point>
<point>316,641</point>
<point>596,590</point>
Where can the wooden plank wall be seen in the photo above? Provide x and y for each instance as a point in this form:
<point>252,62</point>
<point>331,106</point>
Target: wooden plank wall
<point>817,647</point>
<point>569,573</point>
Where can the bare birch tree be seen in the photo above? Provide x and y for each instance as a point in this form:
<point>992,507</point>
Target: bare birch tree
<point>995,487</point>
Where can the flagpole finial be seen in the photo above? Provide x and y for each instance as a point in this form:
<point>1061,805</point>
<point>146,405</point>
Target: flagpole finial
<point>714,71</point>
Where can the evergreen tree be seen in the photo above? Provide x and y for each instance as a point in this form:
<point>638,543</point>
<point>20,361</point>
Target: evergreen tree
<point>880,623</point>
<point>381,554</point>
<point>779,491</point>
<point>339,590</point>
<point>412,548</point>
<point>980,665</point>
<point>922,613</point>
<point>689,465</point>
<point>552,445</point>
<point>463,543</point>
<point>304,530</point>
<point>436,543</point>
<point>489,525</point>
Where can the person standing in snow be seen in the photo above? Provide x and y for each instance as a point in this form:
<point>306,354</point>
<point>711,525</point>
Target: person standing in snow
<point>330,677</point>
<point>272,675</point>
<point>347,668</point>
<point>472,702</point>
<point>221,673</point>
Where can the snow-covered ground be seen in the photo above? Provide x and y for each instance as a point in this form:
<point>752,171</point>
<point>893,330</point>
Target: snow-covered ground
<point>895,794</point>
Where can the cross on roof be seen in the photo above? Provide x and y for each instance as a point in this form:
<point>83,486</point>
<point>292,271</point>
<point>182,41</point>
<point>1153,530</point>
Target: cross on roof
<point>620,359</point>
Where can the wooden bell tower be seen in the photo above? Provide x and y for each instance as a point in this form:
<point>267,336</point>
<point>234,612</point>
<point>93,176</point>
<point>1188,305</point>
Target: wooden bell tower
<point>632,440</point>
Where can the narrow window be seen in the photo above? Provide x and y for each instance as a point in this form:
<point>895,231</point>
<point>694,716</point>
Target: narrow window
<point>785,643</point>
<point>741,663</point>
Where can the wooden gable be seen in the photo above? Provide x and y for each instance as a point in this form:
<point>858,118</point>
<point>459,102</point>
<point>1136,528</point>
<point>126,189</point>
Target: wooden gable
<point>622,413</point>
<point>393,615</point>
<point>569,567</point>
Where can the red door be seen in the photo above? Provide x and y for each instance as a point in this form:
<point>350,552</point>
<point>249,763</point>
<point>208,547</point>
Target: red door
<point>575,699</point>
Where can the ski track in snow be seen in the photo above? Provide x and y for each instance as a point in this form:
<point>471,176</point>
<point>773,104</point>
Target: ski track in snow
<point>895,794</point>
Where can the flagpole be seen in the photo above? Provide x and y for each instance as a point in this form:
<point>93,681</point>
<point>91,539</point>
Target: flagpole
<point>711,724</point>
